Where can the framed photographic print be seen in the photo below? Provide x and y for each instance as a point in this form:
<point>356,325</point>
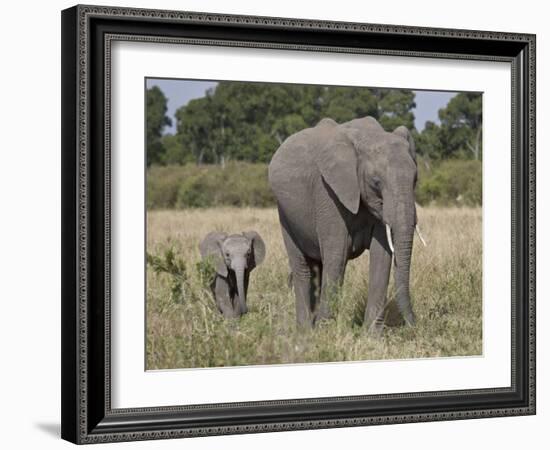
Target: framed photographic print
<point>279,224</point>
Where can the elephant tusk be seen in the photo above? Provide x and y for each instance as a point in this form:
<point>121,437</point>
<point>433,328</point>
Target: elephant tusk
<point>388,235</point>
<point>417,228</point>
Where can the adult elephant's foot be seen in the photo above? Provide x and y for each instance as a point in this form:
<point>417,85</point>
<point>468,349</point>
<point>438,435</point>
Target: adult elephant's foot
<point>374,320</point>
<point>376,329</point>
<point>304,326</point>
<point>410,319</point>
<point>323,314</point>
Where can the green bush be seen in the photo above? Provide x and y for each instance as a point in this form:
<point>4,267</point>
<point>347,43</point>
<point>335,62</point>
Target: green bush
<point>450,183</point>
<point>241,184</point>
<point>173,266</point>
<point>191,186</point>
<point>162,186</point>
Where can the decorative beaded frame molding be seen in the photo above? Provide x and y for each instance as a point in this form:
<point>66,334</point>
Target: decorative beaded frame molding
<point>87,34</point>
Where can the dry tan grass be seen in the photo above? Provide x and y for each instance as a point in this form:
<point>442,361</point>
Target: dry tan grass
<point>445,284</point>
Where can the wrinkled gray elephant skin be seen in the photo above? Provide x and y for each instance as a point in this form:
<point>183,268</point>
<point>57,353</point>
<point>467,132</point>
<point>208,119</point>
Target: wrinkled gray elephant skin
<point>234,257</point>
<point>341,189</point>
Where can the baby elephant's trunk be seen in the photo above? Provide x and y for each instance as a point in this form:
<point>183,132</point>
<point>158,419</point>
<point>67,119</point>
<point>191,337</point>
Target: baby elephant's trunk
<point>241,292</point>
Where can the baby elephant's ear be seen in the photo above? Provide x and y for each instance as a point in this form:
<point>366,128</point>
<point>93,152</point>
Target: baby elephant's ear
<point>258,247</point>
<point>210,247</point>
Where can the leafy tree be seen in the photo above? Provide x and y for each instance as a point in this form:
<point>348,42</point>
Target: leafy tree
<point>195,128</point>
<point>248,121</point>
<point>461,125</point>
<point>156,121</point>
<point>458,135</point>
<point>395,108</point>
<point>287,125</point>
<point>428,142</point>
<point>174,151</point>
<point>346,103</point>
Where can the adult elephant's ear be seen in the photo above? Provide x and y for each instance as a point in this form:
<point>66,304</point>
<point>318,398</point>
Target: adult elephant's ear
<point>258,248</point>
<point>404,132</point>
<point>337,163</point>
<point>210,248</point>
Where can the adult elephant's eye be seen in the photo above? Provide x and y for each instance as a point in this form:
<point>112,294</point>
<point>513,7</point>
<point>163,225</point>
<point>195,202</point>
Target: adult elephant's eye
<point>377,184</point>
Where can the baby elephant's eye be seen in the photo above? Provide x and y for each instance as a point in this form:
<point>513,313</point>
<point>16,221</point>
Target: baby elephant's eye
<point>227,254</point>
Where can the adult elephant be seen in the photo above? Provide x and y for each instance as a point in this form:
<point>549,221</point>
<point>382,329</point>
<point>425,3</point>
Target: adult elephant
<point>341,189</point>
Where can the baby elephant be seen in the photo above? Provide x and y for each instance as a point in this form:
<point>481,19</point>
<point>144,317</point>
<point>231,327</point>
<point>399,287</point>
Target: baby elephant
<point>234,257</point>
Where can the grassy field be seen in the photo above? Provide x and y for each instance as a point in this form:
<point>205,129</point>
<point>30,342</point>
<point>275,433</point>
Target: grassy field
<point>188,331</point>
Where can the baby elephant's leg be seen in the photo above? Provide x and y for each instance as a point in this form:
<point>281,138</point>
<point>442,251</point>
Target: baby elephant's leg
<point>223,297</point>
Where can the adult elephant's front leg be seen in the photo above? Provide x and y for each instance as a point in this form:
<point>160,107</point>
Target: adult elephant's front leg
<point>380,261</point>
<point>331,281</point>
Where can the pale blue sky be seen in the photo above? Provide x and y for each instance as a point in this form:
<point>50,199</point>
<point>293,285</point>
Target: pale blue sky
<point>179,92</point>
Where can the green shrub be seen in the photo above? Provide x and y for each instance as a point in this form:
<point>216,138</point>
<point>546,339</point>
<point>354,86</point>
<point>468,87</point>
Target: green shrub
<point>162,186</point>
<point>451,183</point>
<point>174,267</point>
<point>241,184</point>
<point>190,186</point>
<point>206,272</point>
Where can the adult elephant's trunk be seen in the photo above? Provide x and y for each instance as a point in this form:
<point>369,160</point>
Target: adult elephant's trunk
<point>403,239</point>
<point>241,292</point>
<point>402,231</point>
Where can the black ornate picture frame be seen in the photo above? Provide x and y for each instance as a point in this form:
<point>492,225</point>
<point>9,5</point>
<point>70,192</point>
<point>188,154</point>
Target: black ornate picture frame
<point>87,34</point>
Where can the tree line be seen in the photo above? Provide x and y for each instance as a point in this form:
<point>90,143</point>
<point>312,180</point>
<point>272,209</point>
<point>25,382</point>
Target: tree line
<point>243,121</point>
